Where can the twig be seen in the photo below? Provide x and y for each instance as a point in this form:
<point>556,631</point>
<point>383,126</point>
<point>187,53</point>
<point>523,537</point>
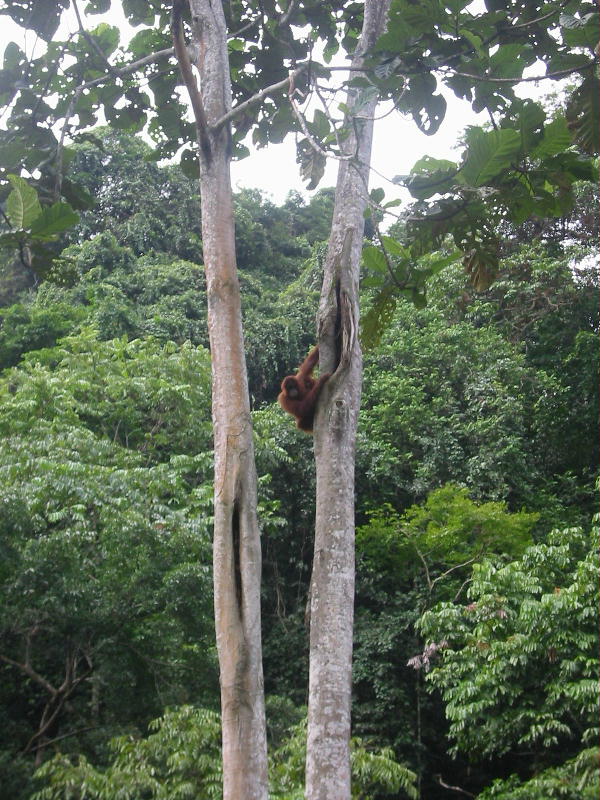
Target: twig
<point>540,19</point>
<point>390,269</point>
<point>288,13</point>
<point>50,742</point>
<point>60,147</point>
<point>90,39</point>
<point>185,67</point>
<point>453,788</point>
<point>455,567</point>
<point>256,98</point>
<point>561,73</point>
<point>311,140</point>
<point>30,672</point>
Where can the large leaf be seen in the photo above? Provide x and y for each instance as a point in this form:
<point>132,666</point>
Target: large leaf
<point>42,16</point>
<point>430,176</point>
<point>580,31</point>
<point>488,154</point>
<point>481,265</point>
<point>54,219</point>
<point>22,204</point>
<point>557,137</point>
<point>378,317</point>
<point>312,163</point>
<point>374,259</point>
<point>139,12</point>
<point>583,114</point>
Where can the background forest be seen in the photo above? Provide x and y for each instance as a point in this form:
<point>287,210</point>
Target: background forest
<point>476,646</point>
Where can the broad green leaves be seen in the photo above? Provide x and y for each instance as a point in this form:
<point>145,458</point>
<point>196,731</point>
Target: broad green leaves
<point>393,272</point>
<point>480,55</point>
<point>32,226</point>
<point>525,167</point>
<point>181,757</point>
<point>42,17</point>
<point>583,114</point>
<point>488,154</point>
<point>519,661</point>
<point>53,219</point>
<point>22,204</point>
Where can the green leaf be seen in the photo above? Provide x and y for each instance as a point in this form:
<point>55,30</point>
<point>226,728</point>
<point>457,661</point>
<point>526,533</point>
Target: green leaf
<point>97,6</point>
<point>580,31</point>
<point>374,322</point>
<point>13,57</point>
<point>531,119</point>
<point>138,12</point>
<point>583,114</point>
<point>377,195</point>
<point>107,37</point>
<point>430,176</point>
<point>475,41</point>
<point>373,259</point>
<point>488,154</point>
<point>41,17</point>
<point>54,219</point>
<point>312,163</point>
<point>22,204</point>
<point>427,108</point>
<point>394,247</point>
<point>320,125</point>
<point>190,164</point>
<point>556,138</point>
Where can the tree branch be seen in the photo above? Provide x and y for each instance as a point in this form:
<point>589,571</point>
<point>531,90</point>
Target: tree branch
<point>561,73</point>
<point>31,673</point>
<point>185,67</point>
<point>540,19</point>
<point>256,98</point>
<point>90,39</point>
<point>453,788</point>
<point>288,13</point>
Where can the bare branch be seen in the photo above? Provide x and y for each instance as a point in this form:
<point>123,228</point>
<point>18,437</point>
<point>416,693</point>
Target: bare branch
<point>388,261</point>
<point>50,742</point>
<point>185,67</point>
<point>561,73</point>
<point>256,98</point>
<point>28,670</point>
<point>90,39</point>
<point>453,788</point>
<point>540,19</point>
<point>288,13</point>
<point>457,566</point>
<point>311,140</point>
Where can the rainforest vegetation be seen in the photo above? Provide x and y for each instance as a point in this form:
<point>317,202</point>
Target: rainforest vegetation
<point>475,653</point>
<point>198,599</point>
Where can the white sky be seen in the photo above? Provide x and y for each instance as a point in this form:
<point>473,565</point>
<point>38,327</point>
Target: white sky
<point>397,143</point>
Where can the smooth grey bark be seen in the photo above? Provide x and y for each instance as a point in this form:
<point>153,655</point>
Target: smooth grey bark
<point>236,547</point>
<point>332,585</point>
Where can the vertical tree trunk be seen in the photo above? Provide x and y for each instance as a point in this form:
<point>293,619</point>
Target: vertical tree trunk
<point>236,548</point>
<point>332,587</point>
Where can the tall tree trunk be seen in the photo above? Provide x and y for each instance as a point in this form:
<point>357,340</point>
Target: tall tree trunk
<point>332,586</point>
<point>236,548</point>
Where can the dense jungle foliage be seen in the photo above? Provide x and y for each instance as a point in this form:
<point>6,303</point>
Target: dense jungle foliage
<point>476,624</point>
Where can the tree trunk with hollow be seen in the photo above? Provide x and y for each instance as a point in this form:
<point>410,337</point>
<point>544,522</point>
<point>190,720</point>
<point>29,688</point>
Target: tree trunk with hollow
<point>236,547</point>
<point>332,585</point>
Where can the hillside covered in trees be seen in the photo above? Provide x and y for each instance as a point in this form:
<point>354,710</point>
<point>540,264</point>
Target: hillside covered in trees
<point>475,653</point>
